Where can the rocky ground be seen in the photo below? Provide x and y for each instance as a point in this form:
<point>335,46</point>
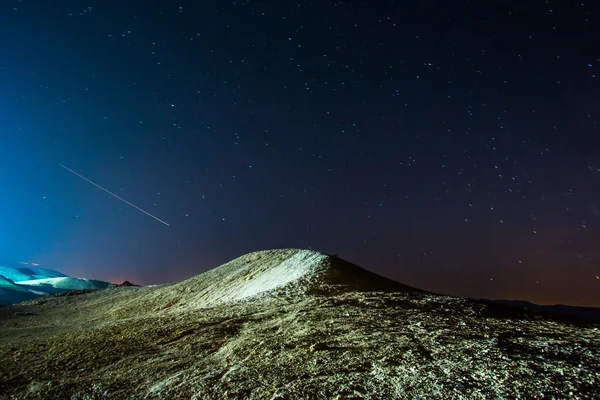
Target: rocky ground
<point>318,336</point>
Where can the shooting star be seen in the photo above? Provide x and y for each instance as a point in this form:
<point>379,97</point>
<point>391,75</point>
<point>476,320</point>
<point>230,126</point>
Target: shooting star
<point>112,194</point>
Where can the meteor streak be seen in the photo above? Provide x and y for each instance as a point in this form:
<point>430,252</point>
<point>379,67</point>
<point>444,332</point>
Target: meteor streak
<point>112,194</point>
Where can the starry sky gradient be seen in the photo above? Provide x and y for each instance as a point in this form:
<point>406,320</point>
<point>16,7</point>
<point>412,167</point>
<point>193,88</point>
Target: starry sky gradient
<point>452,146</point>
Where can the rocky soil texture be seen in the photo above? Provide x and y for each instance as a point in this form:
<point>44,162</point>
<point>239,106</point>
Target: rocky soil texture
<point>289,324</point>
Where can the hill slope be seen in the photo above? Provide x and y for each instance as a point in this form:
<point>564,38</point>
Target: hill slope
<point>290,324</point>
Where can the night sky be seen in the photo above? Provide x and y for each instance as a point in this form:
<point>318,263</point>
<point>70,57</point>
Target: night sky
<point>452,146</point>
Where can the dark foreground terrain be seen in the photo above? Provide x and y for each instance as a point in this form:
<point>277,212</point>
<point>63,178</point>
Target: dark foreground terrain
<point>321,329</point>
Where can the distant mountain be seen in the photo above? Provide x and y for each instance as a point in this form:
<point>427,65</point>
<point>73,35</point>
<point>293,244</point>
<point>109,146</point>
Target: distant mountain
<point>11,293</point>
<point>21,284</point>
<point>588,314</point>
<point>28,273</point>
<point>57,285</point>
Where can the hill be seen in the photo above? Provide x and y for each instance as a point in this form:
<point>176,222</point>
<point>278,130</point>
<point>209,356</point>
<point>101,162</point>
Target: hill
<point>290,324</point>
<point>283,272</point>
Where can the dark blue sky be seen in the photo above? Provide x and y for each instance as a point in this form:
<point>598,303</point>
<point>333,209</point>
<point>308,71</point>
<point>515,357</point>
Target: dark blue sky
<point>453,147</point>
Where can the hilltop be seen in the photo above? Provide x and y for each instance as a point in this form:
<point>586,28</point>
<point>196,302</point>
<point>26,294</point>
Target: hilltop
<point>288,324</point>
